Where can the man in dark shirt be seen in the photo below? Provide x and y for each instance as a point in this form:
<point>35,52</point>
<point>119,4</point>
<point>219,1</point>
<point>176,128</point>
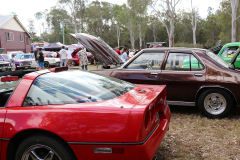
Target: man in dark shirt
<point>41,59</point>
<point>36,56</point>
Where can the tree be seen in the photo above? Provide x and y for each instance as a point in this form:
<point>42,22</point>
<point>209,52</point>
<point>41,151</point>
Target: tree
<point>76,8</point>
<point>32,32</point>
<point>194,17</point>
<point>234,6</point>
<point>139,9</point>
<point>169,15</point>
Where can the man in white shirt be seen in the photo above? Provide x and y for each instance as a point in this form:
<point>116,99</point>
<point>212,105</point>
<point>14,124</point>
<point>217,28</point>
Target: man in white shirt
<point>63,56</point>
<point>69,57</point>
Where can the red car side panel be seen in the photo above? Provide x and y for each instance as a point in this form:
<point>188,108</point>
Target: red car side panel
<point>85,122</point>
<point>145,151</point>
<point>4,150</point>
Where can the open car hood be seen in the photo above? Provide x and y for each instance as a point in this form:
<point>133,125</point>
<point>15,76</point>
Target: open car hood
<point>234,58</point>
<point>101,50</point>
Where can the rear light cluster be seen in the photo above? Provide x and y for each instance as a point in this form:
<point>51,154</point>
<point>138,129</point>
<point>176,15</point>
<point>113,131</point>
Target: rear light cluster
<point>153,110</point>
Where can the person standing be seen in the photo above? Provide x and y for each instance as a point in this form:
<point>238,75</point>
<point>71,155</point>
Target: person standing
<point>118,51</point>
<point>41,59</point>
<point>124,54</point>
<point>36,55</point>
<point>12,61</point>
<point>69,57</point>
<point>63,56</point>
<point>83,61</point>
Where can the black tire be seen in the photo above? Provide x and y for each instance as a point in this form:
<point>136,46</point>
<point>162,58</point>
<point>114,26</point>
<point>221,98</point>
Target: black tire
<point>46,144</point>
<point>58,64</point>
<point>215,103</point>
<point>73,63</point>
<point>46,65</point>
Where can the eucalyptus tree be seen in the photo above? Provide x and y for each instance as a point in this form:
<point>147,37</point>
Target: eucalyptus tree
<point>32,31</point>
<point>139,9</point>
<point>194,18</point>
<point>99,19</point>
<point>234,6</point>
<point>54,18</point>
<point>166,12</point>
<point>119,18</point>
<point>76,8</point>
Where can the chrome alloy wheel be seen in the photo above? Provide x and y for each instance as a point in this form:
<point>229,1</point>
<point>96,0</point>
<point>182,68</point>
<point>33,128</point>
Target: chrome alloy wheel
<point>215,103</point>
<point>40,152</point>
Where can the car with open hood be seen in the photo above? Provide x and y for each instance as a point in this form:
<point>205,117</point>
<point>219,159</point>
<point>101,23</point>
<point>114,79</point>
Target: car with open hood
<point>63,114</point>
<point>207,82</point>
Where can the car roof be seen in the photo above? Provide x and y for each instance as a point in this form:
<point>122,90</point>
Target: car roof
<point>182,49</point>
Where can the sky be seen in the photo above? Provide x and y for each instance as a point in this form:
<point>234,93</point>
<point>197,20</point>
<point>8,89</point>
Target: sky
<point>25,9</point>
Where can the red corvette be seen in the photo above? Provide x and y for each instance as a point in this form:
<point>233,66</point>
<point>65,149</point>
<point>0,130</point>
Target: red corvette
<point>67,115</point>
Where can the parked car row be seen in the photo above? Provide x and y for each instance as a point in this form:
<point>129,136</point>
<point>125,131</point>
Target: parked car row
<point>48,61</point>
<point>19,63</point>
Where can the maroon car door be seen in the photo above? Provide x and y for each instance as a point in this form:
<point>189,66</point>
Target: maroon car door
<point>183,74</point>
<point>143,69</point>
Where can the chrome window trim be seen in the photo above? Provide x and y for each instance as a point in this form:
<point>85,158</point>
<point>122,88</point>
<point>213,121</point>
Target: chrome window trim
<point>198,58</point>
<point>181,103</point>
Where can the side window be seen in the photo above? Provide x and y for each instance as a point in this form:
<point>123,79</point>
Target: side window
<point>151,61</point>
<point>195,64</point>
<point>1,59</point>
<point>183,62</point>
<point>229,51</point>
<point>225,51</point>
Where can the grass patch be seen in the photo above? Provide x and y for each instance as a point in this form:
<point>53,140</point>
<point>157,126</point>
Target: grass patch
<point>193,136</point>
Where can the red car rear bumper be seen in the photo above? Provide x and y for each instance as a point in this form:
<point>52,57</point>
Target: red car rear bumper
<point>139,151</point>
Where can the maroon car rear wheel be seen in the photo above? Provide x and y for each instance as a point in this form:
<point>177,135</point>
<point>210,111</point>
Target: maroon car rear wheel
<point>43,147</point>
<point>215,103</point>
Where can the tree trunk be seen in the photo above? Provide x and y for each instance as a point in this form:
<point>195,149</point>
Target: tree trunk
<point>118,35</point>
<point>234,5</point>
<point>154,33</point>
<point>80,25</point>
<point>171,33</point>
<point>140,35</point>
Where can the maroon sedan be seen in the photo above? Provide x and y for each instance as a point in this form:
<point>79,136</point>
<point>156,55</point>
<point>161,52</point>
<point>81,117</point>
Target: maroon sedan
<point>194,77</point>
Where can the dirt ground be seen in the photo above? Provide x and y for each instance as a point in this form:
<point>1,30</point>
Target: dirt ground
<point>193,136</point>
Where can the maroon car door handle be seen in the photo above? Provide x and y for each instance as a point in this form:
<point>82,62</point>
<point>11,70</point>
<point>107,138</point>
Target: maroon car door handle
<point>198,75</point>
<point>154,73</point>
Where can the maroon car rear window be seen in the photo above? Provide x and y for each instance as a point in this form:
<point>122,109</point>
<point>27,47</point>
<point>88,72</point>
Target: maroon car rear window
<point>74,87</point>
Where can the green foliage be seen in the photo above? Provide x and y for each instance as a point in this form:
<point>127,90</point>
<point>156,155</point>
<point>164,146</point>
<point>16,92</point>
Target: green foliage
<point>104,20</point>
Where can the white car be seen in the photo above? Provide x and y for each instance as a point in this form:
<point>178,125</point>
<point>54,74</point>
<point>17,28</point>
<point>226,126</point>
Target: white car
<point>48,61</point>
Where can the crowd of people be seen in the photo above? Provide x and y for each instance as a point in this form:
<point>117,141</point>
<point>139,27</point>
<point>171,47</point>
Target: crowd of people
<point>64,54</point>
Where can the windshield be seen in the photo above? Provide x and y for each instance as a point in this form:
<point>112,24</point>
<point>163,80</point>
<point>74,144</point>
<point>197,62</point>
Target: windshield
<point>217,59</point>
<point>18,56</point>
<point>74,86</point>
<point>5,56</point>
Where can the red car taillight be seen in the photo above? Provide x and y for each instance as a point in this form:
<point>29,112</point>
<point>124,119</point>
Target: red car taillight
<point>147,119</point>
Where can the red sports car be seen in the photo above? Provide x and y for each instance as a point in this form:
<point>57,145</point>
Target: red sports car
<point>61,114</point>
